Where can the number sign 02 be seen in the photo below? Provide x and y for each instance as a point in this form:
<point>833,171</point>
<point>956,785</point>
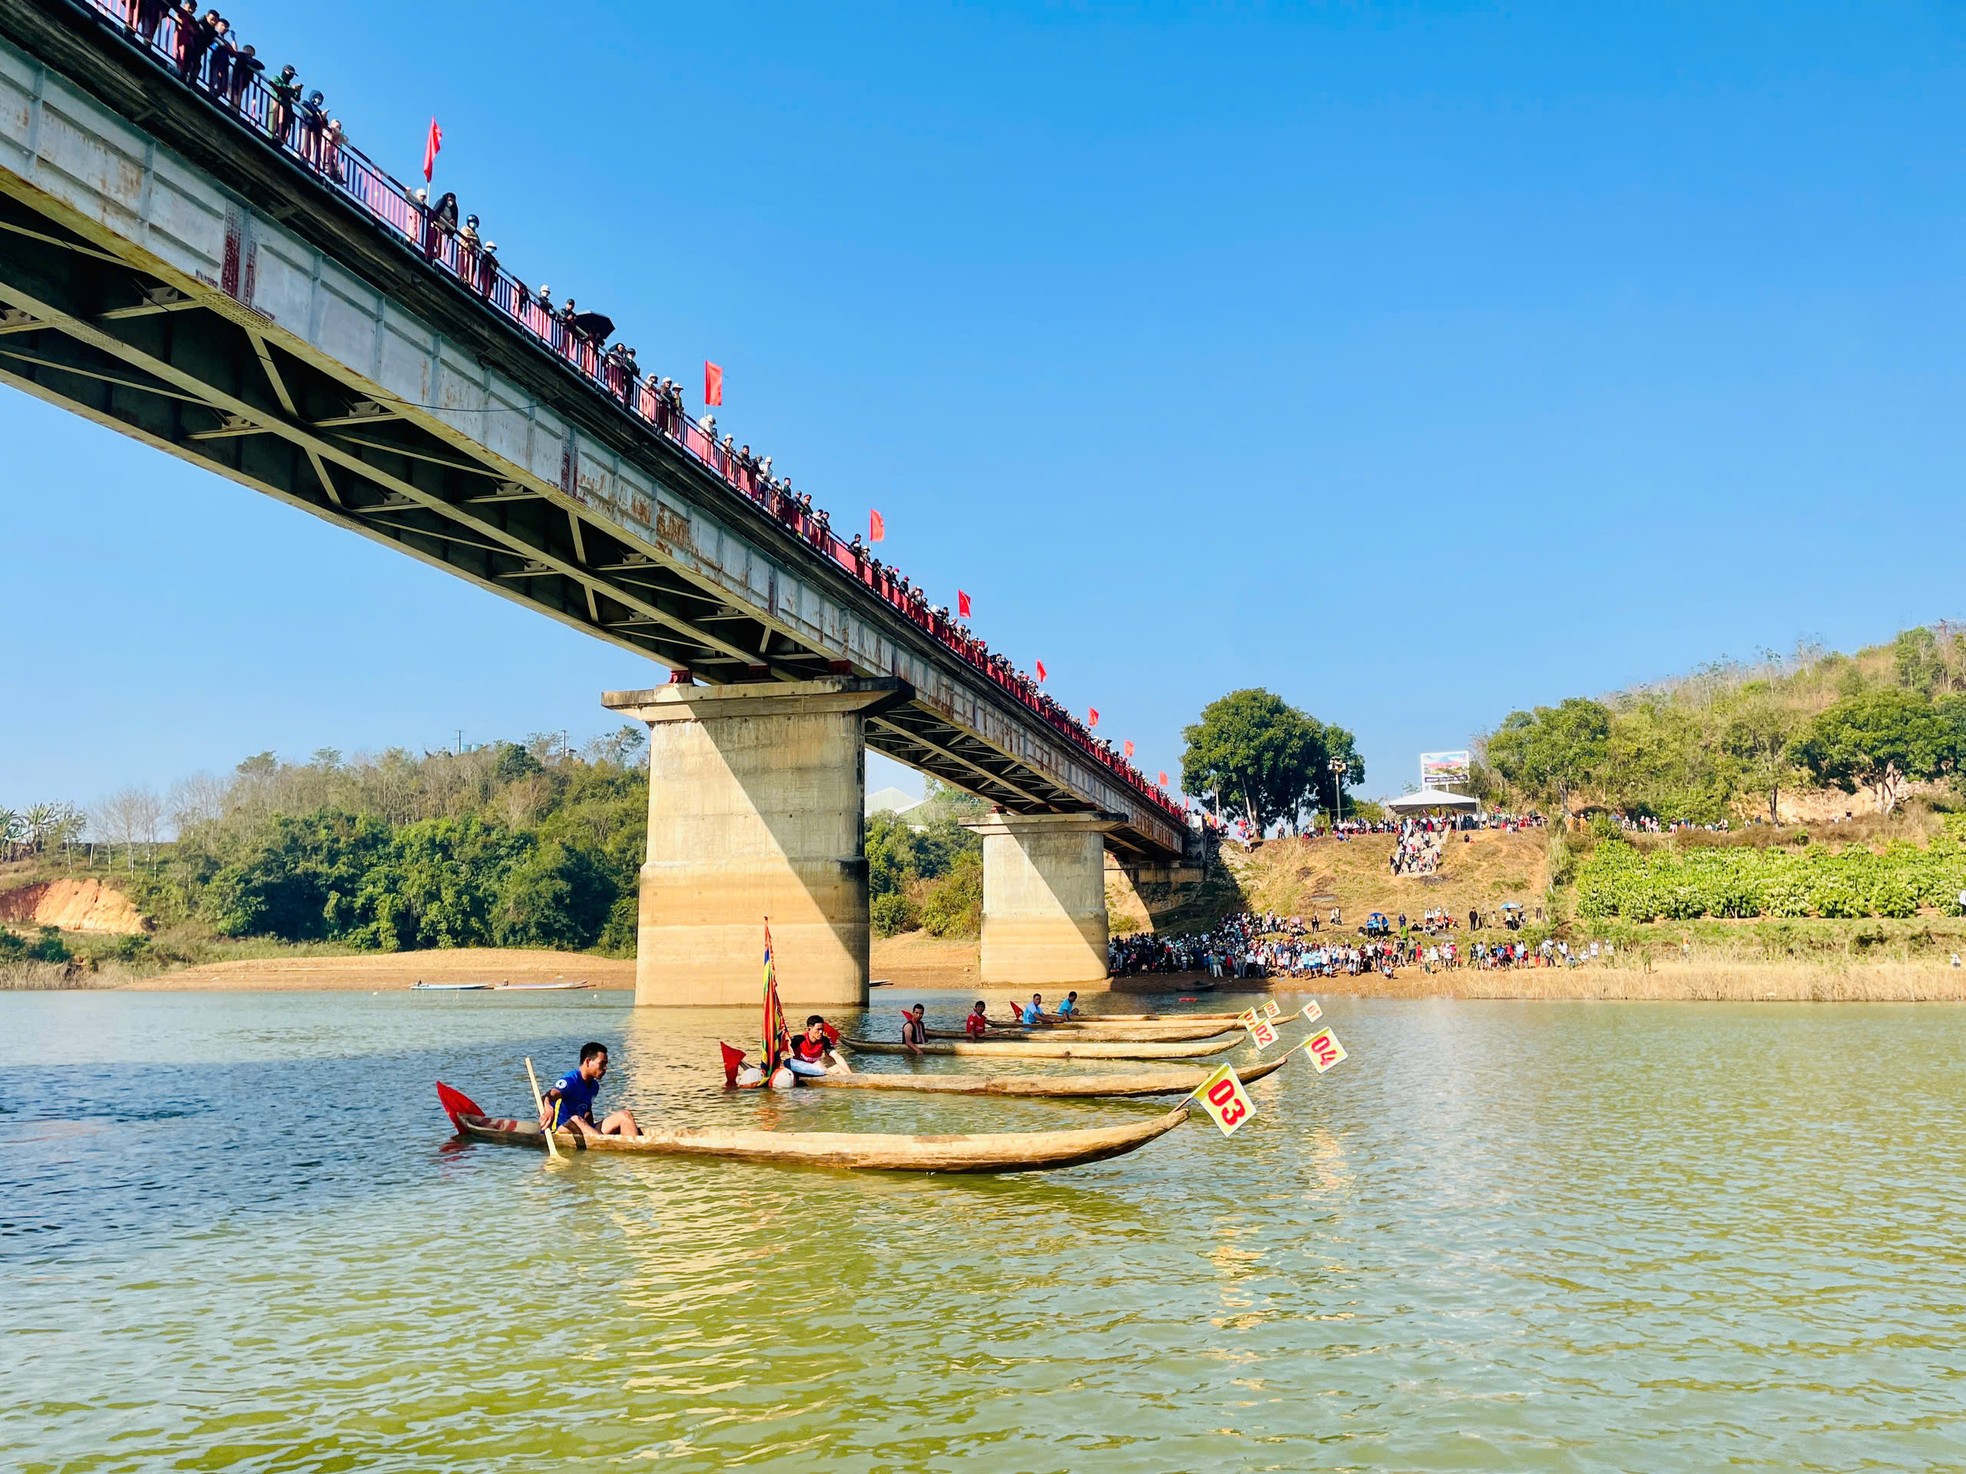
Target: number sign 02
<point>1324,1049</point>
<point>1226,1102</point>
<point>1263,1035</point>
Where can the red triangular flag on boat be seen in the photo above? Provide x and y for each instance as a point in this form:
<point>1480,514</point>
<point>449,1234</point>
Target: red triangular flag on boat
<point>962,604</point>
<point>431,144</point>
<point>713,382</point>
<point>876,527</point>
<point>1040,671</point>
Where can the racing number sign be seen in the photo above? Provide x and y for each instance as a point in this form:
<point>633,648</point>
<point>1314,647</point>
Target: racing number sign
<point>1324,1049</point>
<point>1272,1009</point>
<point>1312,1011</point>
<point>1247,1018</point>
<point>1263,1035</point>
<point>1226,1102</point>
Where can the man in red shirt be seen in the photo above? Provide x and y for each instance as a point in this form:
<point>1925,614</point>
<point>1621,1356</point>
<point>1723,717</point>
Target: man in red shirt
<point>814,1050</point>
<point>978,1023</point>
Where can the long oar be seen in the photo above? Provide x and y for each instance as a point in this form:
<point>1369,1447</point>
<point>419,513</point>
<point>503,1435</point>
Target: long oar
<point>539,1105</point>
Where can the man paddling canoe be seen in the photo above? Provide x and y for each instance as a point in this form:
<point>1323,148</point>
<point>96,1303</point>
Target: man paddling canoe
<point>978,1022</point>
<point>1069,1009</point>
<point>816,1051</point>
<point>1034,1013</point>
<point>570,1101</point>
<point>914,1028</point>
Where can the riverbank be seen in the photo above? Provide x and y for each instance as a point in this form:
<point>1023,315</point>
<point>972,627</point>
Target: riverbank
<point>371,970</point>
<point>921,963</point>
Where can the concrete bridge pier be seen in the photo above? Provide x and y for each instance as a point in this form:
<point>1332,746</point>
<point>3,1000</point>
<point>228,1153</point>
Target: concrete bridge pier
<point>1044,898</point>
<point>756,795</point>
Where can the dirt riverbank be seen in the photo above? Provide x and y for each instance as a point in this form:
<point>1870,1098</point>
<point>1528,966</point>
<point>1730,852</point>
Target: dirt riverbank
<point>921,962</point>
<point>396,970</point>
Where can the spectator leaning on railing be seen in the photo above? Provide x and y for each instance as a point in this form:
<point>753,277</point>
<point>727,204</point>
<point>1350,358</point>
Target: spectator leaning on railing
<point>205,55</point>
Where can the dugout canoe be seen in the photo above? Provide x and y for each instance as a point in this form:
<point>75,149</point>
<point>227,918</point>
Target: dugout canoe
<point>992,1151</point>
<point>1050,1048</point>
<point>1141,1018</point>
<point>1118,1034</point>
<point>1056,1087</point>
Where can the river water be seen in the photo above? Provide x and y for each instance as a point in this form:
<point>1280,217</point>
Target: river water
<point>234,1233</point>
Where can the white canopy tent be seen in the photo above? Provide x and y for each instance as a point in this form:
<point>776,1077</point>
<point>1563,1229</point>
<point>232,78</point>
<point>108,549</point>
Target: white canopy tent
<point>1430,798</point>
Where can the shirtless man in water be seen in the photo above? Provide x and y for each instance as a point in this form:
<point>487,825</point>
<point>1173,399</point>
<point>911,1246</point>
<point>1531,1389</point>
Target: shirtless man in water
<point>570,1100</point>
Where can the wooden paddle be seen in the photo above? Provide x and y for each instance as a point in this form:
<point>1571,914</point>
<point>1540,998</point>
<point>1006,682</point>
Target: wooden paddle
<point>539,1105</point>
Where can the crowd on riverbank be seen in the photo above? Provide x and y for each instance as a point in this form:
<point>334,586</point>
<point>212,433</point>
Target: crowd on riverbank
<point>1266,944</point>
<point>202,50</point>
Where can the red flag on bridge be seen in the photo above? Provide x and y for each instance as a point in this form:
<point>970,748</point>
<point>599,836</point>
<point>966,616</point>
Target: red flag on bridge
<point>430,146</point>
<point>1040,672</point>
<point>1127,747</point>
<point>1092,712</point>
<point>962,604</point>
<point>713,382</point>
<point>876,527</point>
<point>1163,780</point>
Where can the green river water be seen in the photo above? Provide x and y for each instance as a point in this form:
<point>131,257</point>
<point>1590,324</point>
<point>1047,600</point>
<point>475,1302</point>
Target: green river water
<point>235,1234</point>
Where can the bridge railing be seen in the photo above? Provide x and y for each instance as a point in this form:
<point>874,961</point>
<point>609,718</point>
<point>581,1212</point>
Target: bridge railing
<point>280,113</point>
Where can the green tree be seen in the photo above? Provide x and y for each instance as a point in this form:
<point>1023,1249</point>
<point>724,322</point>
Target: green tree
<point>1880,740</point>
<point>1262,755</point>
<point>1553,751</point>
<point>556,895</point>
<point>1761,734</point>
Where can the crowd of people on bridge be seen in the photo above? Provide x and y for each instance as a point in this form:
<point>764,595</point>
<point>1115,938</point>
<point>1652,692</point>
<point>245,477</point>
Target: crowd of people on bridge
<point>205,53</point>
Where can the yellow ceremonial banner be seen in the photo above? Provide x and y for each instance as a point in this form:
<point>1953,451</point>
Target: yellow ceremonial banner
<point>1324,1049</point>
<point>1226,1102</point>
<point>1312,1011</point>
<point>1272,1009</point>
<point>1263,1035</point>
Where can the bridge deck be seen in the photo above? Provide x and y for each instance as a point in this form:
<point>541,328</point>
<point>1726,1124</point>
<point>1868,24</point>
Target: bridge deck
<point>171,271</point>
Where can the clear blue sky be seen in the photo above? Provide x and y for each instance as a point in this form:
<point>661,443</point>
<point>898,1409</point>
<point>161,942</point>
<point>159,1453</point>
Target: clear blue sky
<point>1159,329</point>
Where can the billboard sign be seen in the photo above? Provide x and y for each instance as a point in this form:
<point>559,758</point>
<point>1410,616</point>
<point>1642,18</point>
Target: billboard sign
<point>1444,769</point>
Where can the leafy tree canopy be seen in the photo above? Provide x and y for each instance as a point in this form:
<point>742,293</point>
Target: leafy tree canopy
<point>1265,757</point>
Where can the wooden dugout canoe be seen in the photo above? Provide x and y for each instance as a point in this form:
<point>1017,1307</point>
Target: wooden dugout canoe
<point>1118,1034</point>
<point>1146,1082</point>
<point>1050,1048</point>
<point>993,1151</point>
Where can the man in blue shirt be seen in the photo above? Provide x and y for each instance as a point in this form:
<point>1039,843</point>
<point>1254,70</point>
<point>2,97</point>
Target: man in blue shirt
<point>1034,1013</point>
<point>570,1101</point>
<point>1069,1009</point>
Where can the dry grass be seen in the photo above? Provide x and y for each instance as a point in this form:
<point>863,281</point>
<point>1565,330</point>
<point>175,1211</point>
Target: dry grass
<point>1683,982</point>
<point>1298,876</point>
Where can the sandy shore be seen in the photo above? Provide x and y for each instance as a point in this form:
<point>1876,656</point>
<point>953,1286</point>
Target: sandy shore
<point>917,961</point>
<point>397,970</point>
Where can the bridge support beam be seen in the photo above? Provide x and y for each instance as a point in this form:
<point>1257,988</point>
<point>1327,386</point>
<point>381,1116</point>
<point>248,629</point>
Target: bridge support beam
<point>1044,898</point>
<point>756,798</point>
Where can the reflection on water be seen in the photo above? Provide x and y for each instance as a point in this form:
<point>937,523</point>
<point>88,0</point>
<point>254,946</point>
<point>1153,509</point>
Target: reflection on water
<point>234,1234</point>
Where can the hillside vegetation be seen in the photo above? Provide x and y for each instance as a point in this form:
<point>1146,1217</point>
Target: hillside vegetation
<point>1735,739</point>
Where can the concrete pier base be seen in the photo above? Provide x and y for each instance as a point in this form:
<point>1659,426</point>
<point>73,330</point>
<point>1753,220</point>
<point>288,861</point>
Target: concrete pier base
<point>755,810</point>
<point>1044,898</point>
